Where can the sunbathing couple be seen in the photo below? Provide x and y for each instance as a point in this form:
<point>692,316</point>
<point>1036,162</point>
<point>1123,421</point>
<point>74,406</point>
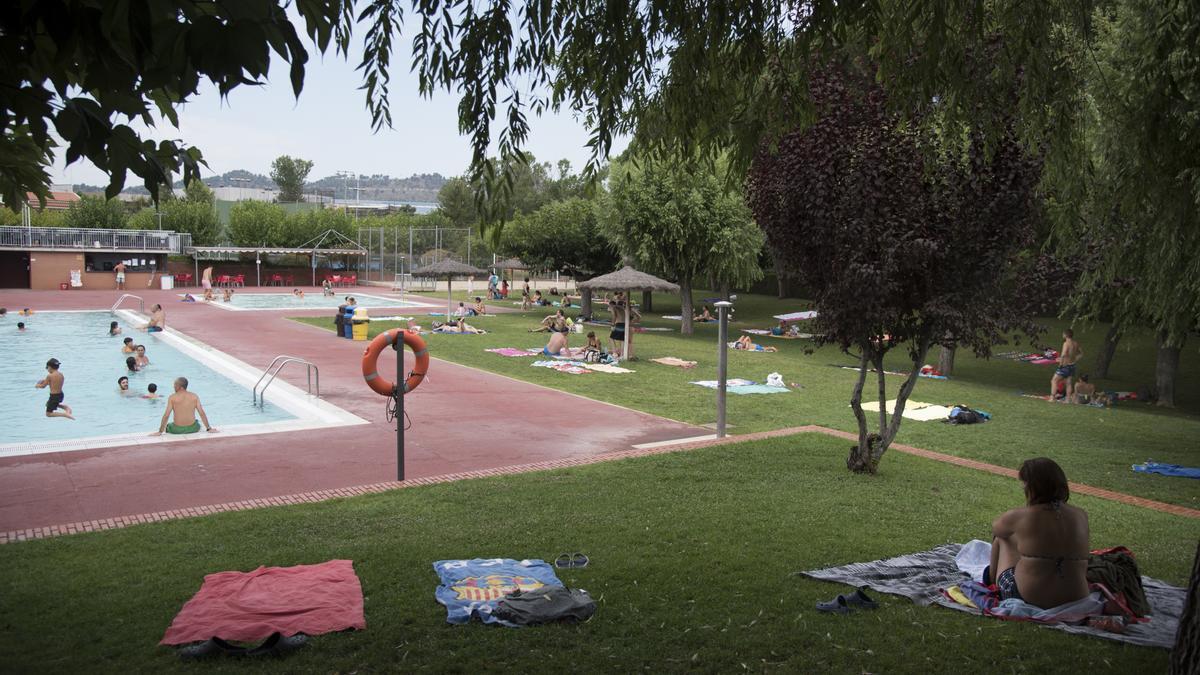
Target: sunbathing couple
<point>744,343</point>
<point>1041,549</point>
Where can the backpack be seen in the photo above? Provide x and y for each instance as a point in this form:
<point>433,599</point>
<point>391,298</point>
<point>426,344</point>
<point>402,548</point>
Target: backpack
<point>961,414</point>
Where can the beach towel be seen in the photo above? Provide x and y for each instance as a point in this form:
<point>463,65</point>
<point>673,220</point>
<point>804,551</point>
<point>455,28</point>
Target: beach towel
<point>391,318</point>
<point>1167,469</point>
<point>913,410</point>
<point>513,351</point>
<point>568,367</point>
<point>672,361</point>
<point>472,588</point>
<point>605,368</point>
<point>797,316</point>
<point>732,382</point>
<point>756,331</point>
<point>250,606</point>
<point>922,576</point>
<point>790,336</point>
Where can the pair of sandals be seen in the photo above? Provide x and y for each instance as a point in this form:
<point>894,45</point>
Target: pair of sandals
<point>571,560</point>
<point>275,645</point>
<point>844,604</point>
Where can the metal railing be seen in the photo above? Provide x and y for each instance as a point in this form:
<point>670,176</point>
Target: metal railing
<point>259,397</point>
<point>141,303</point>
<point>87,239</point>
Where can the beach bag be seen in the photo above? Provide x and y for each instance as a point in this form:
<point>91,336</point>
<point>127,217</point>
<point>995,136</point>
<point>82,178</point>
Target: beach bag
<point>593,356</point>
<point>961,414</point>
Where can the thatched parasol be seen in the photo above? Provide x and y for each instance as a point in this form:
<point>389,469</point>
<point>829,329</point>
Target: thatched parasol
<point>447,268</point>
<point>628,279</point>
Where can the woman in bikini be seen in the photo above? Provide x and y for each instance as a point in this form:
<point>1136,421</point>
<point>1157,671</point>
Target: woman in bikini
<point>1041,549</point>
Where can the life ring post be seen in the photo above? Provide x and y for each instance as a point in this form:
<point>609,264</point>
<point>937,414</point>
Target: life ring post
<point>396,338</point>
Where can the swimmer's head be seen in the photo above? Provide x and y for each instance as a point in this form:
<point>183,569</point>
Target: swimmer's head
<point>181,383</point>
<point>3,311</point>
<point>112,325</point>
<point>123,382</point>
<point>20,325</point>
<point>131,364</point>
<point>157,308</point>
<point>140,349</point>
<point>128,340</point>
<point>53,364</point>
<point>152,388</point>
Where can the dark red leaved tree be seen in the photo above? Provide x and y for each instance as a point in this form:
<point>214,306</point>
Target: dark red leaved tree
<point>905,241</point>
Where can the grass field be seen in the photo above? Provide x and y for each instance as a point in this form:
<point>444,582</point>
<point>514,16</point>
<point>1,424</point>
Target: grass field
<point>1095,446</point>
<point>693,556</point>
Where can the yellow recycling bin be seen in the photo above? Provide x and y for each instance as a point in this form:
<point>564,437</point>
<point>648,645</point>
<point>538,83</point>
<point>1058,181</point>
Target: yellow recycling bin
<point>361,324</point>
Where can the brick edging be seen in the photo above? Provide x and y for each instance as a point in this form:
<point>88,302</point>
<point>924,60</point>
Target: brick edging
<point>375,488</point>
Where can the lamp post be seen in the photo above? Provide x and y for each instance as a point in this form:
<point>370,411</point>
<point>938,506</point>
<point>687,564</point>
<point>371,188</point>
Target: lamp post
<point>722,361</point>
<point>257,270</point>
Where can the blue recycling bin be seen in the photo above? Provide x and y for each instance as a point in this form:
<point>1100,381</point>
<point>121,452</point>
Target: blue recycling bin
<point>348,324</point>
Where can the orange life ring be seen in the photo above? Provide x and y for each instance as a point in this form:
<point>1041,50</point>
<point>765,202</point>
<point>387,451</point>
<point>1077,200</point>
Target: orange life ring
<point>370,362</point>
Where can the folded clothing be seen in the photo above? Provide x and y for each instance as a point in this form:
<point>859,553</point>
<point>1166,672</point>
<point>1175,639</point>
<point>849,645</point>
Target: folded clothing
<point>546,605</point>
<point>250,606</point>
<point>1167,469</point>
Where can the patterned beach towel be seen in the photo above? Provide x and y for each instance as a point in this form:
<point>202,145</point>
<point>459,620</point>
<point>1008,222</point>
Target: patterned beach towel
<point>513,351</point>
<point>472,588</point>
<point>922,576</point>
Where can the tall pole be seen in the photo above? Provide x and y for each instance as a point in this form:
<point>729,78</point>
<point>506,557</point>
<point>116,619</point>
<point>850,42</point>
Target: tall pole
<point>398,345</point>
<point>722,362</point>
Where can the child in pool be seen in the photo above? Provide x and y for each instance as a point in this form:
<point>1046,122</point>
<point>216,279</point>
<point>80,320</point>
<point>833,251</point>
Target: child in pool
<point>114,328</point>
<point>128,347</point>
<point>151,391</point>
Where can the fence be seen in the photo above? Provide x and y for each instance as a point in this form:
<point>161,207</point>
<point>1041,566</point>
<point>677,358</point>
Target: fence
<point>70,238</point>
<point>397,251</point>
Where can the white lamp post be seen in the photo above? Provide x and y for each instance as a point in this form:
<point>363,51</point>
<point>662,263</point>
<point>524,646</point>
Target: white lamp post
<point>723,310</point>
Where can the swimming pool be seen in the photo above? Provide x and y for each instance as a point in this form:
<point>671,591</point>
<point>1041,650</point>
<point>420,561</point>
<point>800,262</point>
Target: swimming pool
<point>92,362</point>
<point>281,301</point>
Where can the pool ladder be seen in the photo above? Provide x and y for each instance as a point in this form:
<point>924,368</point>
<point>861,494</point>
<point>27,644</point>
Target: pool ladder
<point>141,303</point>
<point>272,371</point>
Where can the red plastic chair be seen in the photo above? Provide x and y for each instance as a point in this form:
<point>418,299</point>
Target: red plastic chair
<point>351,280</point>
<point>275,279</point>
<point>336,280</point>
<point>224,279</point>
<point>239,280</point>
<point>290,280</point>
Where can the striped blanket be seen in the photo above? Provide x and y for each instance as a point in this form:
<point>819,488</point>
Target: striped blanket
<point>923,575</point>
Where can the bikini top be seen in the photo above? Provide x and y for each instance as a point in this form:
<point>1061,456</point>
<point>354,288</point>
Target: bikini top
<point>1058,559</point>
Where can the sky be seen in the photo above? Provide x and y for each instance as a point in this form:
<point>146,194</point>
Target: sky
<point>330,126</point>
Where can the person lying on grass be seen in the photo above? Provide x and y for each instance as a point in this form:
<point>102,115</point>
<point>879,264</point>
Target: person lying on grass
<point>746,344</point>
<point>1041,549</point>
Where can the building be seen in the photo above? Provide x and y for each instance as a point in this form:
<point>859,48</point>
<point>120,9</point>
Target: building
<point>61,198</point>
<point>45,258</point>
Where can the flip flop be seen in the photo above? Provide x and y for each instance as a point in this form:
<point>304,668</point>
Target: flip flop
<point>579,560</point>
<point>861,600</point>
<point>837,605</point>
<point>571,560</point>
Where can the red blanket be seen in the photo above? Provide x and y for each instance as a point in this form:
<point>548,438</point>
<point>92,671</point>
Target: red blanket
<point>250,606</point>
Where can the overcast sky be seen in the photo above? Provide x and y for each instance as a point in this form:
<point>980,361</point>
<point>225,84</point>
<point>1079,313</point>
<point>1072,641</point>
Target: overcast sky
<point>330,125</point>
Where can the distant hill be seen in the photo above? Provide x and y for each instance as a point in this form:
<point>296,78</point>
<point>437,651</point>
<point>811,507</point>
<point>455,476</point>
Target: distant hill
<point>416,188</point>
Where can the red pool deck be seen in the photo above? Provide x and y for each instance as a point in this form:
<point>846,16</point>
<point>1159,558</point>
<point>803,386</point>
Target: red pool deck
<point>463,420</point>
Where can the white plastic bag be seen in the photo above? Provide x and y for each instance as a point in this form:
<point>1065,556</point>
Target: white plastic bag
<point>973,557</point>
<point>775,380</point>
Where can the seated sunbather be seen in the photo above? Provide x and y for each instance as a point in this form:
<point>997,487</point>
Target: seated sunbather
<point>781,329</point>
<point>478,307</point>
<point>749,345</point>
<point>557,344</point>
<point>547,324</point>
<point>1085,391</point>
<point>704,315</point>
<point>1041,549</point>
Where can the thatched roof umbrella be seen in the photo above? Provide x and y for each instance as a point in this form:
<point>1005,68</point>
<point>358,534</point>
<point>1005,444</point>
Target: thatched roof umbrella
<point>447,268</point>
<point>628,279</point>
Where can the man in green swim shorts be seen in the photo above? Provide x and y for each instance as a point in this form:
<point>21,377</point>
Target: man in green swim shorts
<point>185,406</point>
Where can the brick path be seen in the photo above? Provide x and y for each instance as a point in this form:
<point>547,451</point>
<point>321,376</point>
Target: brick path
<point>323,495</point>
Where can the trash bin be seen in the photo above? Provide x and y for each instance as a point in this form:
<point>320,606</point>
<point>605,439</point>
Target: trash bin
<point>168,282</point>
<point>348,323</point>
<point>337,320</point>
<point>360,324</point>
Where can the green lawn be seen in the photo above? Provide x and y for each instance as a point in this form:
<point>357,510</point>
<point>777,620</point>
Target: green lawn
<point>1095,446</point>
<point>692,561</point>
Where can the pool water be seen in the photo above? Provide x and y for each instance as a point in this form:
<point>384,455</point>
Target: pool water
<point>309,301</point>
<point>91,363</point>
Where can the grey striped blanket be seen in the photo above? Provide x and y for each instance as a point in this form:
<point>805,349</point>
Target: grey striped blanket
<point>921,576</point>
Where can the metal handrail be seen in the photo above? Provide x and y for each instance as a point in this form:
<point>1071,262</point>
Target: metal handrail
<point>259,397</point>
<point>141,303</point>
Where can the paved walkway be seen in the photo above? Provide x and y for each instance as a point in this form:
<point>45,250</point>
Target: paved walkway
<point>463,421</point>
<point>323,495</point>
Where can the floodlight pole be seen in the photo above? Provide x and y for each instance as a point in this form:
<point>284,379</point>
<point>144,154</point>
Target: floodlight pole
<point>722,362</point>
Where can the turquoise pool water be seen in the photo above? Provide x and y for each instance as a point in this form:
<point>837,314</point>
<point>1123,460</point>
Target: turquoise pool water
<point>309,301</point>
<point>91,363</point>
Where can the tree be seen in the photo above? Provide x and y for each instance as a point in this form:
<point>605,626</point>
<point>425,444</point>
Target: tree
<point>289,174</point>
<point>564,236</point>
<point>457,202</point>
<point>904,242</point>
<point>1139,228</point>
<point>677,219</point>
<point>96,211</point>
<point>254,223</point>
<point>197,192</point>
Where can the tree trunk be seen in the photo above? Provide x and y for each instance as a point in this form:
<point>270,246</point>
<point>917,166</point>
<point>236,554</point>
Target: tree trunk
<point>779,277</point>
<point>1185,657</point>
<point>685,305</point>
<point>906,389</point>
<point>723,291</point>
<point>585,303</point>
<point>647,302</point>
<point>1105,357</point>
<point>946,360</point>
<point>859,460</point>
<point>1165,371</point>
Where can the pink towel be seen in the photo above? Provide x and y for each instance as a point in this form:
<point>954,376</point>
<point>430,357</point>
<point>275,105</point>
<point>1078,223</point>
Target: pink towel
<point>511,351</point>
<point>250,606</point>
